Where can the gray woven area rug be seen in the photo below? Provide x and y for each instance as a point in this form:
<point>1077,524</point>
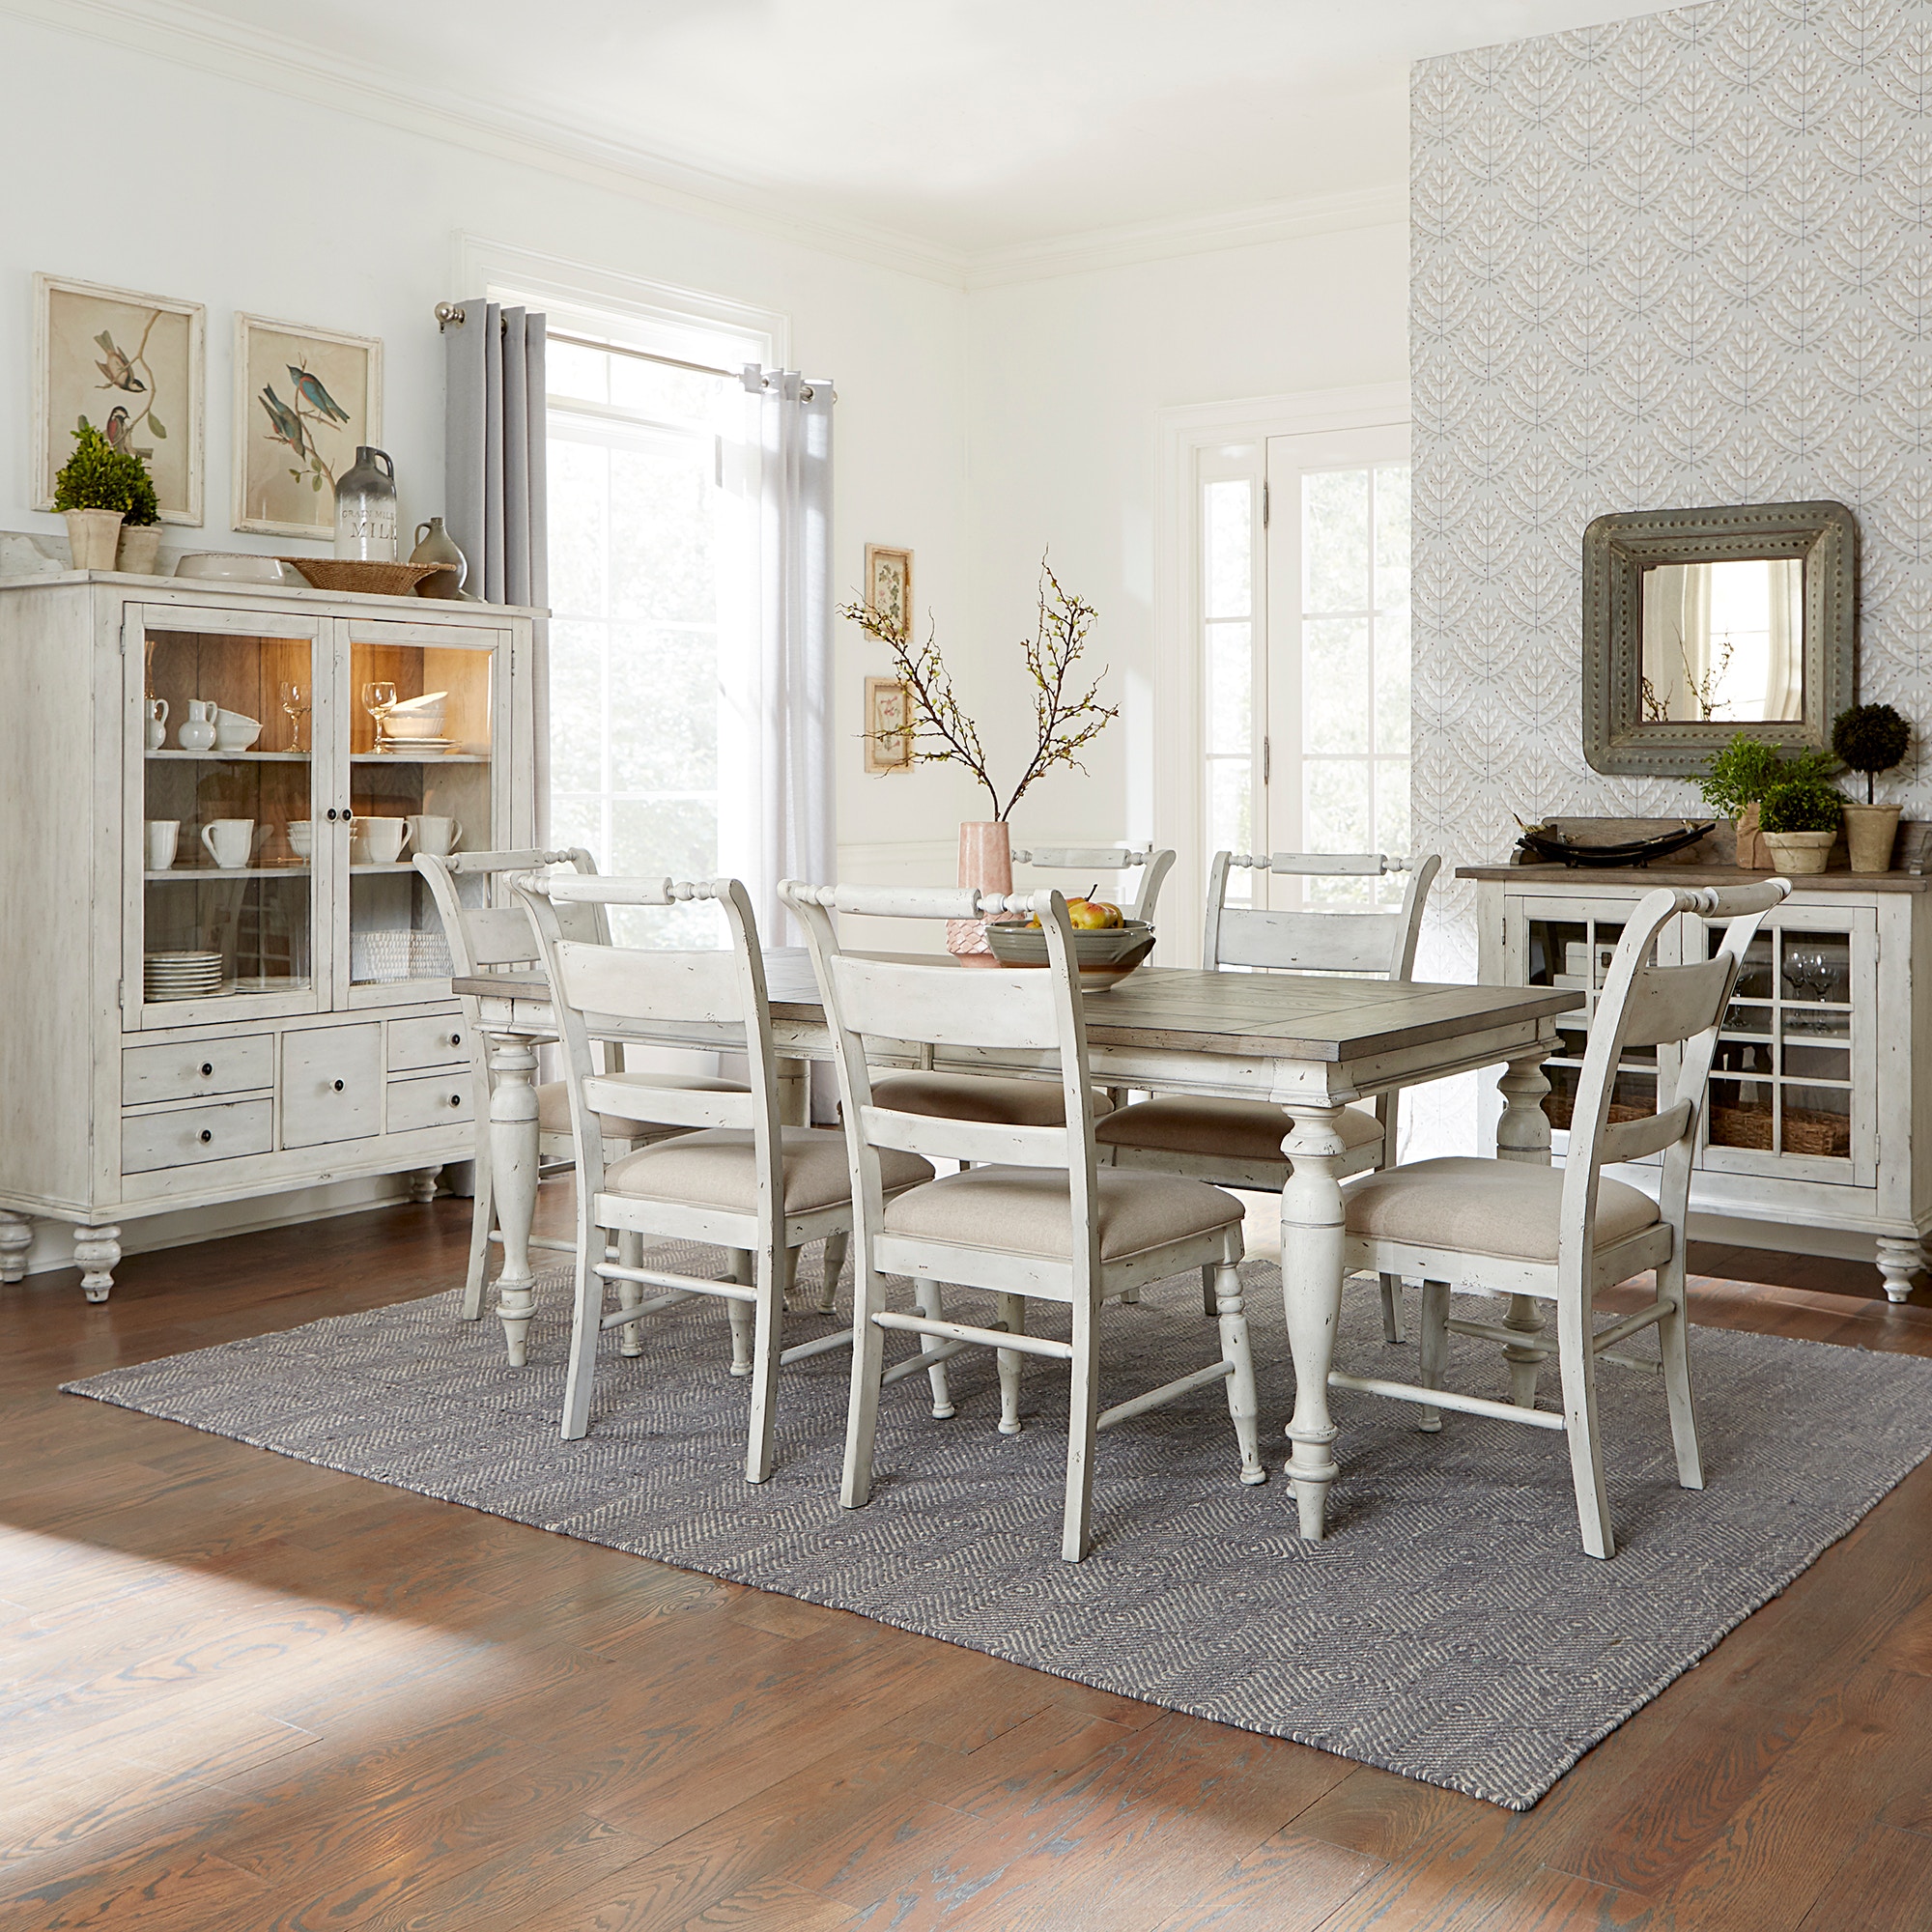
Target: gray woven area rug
<point>1449,1630</point>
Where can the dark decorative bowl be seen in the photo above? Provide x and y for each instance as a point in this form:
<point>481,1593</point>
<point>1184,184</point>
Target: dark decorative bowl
<point>1555,849</point>
<point>1107,954</point>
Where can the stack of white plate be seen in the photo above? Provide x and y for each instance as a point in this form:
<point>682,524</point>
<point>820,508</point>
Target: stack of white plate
<point>416,748</point>
<point>181,976</point>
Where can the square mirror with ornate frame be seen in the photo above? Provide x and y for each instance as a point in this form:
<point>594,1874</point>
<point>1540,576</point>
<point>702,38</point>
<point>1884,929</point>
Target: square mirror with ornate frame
<point>1699,624</point>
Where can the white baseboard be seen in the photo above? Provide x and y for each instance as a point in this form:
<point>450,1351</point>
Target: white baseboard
<point>1788,1237</point>
<point>52,1245</point>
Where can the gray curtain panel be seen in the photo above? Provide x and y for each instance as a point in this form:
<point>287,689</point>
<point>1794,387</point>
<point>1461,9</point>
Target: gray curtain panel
<point>494,497</point>
<point>796,832</point>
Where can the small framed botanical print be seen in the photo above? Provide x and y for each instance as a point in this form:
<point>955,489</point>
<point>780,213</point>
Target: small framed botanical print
<point>304,399</point>
<point>888,725</point>
<point>888,583</point>
<point>131,366</point>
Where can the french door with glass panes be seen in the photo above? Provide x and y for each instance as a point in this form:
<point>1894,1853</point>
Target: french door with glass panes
<point>1304,598</point>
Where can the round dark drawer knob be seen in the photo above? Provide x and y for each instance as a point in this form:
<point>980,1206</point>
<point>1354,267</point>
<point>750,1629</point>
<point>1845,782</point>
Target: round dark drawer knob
<point>207,1069</point>
<point>206,1136</point>
<point>456,1040</point>
<point>338,1085</point>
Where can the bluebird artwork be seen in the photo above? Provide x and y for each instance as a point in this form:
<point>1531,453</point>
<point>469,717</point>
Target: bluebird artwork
<point>308,427</point>
<point>309,388</point>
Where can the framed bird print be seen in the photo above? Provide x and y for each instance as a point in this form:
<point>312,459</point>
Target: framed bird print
<point>304,399</point>
<point>131,366</point>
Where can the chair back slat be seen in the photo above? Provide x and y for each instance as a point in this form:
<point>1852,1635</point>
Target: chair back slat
<point>498,936</point>
<point>667,1106</point>
<point>1329,865</point>
<point>1667,1004</point>
<point>486,935</point>
<point>629,983</point>
<point>1154,863</point>
<point>1632,1140</point>
<point>946,1006</point>
<point>991,1142</point>
<point>1310,942</point>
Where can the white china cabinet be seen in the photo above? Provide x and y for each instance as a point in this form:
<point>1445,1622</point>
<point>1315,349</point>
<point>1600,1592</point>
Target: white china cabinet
<point>1815,1117</point>
<point>222,975</point>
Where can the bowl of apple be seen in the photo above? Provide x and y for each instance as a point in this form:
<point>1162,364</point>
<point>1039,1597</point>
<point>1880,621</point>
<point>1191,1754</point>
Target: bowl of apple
<point>1107,945</point>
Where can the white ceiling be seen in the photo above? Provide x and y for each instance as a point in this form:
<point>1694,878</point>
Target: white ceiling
<point>972,125</point>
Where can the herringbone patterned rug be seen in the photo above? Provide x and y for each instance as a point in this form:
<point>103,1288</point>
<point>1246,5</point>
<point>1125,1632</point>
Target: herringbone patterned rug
<point>1450,1629</point>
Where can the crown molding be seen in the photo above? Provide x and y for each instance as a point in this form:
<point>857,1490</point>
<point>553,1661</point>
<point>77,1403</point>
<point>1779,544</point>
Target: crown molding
<point>1189,235</point>
<point>177,31</point>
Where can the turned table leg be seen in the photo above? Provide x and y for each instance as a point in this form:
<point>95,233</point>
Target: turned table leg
<point>1522,1133</point>
<point>513,1171</point>
<point>17,1236</point>
<point>1898,1261</point>
<point>96,1249</point>
<point>1311,1230</point>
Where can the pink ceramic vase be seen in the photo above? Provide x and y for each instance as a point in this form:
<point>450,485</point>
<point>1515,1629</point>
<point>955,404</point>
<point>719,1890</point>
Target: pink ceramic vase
<point>986,861</point>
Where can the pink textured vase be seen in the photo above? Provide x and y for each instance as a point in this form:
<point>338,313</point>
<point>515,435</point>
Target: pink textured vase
<point>986,861</point>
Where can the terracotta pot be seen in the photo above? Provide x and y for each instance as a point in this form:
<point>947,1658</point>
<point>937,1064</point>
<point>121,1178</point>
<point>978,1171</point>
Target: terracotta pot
<point>1870,830</point>
<point>986,861</point>
<point>92,537</point>
<point>1796,852</point>
<point>1751,855</point>
<point>140,549</point>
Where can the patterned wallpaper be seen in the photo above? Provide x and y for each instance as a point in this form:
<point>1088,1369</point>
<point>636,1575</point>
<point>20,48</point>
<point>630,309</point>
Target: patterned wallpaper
<point>1682,260</point>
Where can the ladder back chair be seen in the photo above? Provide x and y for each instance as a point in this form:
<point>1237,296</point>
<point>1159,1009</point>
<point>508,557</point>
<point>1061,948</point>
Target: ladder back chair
<point>485,938</point>
<point>1020,1102</point>
<point>1238,1143</point>
<point>1560,1234</point>
<point>735,1179</point>
<point>1034,1218</point>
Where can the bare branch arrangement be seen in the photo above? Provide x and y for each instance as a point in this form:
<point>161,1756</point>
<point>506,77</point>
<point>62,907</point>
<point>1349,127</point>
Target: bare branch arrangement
<point>1066,715</point>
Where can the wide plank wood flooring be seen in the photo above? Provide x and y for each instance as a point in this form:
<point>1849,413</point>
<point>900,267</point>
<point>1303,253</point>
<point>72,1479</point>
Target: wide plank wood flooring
<point>239,1695</point>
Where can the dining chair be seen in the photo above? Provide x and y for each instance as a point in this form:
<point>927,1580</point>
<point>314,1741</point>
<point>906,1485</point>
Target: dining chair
<point>1022,1102</point>
<point>1033,1218</point>
<point>1563,1235</point>
<point>1238,1143</point>
<point>735,1180</point>
<point>486,938</point>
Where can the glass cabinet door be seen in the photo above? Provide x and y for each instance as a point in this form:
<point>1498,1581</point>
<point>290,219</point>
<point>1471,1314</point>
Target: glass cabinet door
<point>423,717</point>
<point>222,826</point>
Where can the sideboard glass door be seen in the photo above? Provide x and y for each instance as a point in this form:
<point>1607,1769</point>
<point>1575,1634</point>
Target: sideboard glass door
<point>220,831</point>
<point>425,712</point>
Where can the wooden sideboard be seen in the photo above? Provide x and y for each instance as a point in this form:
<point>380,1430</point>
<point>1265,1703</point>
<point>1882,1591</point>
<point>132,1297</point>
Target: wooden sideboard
<point>1817,1117</point>
<point>266,1006</point>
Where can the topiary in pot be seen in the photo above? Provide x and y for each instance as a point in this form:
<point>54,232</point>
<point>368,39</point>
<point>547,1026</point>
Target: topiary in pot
<point>1800,818</point>
<point>1870,738</point>
<point>100,487</point>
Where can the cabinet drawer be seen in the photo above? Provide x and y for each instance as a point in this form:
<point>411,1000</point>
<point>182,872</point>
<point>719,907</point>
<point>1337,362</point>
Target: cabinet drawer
<point>187,1069</point>
<point>442,1041</point>
<point>191,1134</point>
<point>331,1084</point>
<point>433,1100</point>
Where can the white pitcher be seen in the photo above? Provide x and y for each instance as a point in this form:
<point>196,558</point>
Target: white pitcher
<point>157,728</point>
<point>196,733</point>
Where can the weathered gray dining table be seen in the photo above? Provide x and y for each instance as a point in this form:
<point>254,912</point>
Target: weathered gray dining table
<point>1311,1042</point>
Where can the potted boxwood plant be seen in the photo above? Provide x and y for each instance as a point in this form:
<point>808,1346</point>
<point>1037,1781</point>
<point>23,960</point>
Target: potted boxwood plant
<point>1801,817</point>
<point>97,487</point>
<point>1870,738</point>
<point>1734,787</point>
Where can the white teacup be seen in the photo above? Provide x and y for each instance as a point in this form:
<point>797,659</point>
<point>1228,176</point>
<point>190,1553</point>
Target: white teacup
<point>163,840</point>
<point>230,841</point>
<point>436,836</point>
<point>383,839</point>
<point>301,837</point>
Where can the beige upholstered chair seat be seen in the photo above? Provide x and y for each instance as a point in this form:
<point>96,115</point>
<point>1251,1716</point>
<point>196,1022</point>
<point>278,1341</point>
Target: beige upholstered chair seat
<point>1505,1209</point>
<point>717,1167</point>
<point>977,1096</point>
<point>1026,1210</point>
<point>1232,1129</point>
<point>554,1103</point>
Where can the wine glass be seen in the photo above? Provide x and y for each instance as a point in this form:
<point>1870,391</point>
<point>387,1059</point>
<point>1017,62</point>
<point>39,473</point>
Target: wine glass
<point>296,700</point>
<point>379,699</point>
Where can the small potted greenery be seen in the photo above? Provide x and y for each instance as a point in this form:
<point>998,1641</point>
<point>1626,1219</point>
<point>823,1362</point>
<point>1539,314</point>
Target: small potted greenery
<point>1800,815</point>
<point>1734,787</point>
<point>99,487</point>
<point>1870,738</point>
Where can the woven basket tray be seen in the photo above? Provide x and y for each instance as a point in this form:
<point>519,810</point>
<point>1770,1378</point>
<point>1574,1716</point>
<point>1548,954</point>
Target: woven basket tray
<point>380,579</point>
<point>1561,1106</point>
<point>1806,1130</point>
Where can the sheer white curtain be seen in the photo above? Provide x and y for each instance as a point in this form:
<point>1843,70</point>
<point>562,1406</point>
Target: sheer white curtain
<point>1677,638</point>
<point>792,436</point>
<point>1784,662</point>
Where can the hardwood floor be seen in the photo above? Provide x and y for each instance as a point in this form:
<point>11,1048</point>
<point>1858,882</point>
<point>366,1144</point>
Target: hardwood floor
<point>238,1693</point>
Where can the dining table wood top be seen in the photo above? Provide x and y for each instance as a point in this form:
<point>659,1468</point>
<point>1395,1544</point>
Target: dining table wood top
<point>1312,1016</point>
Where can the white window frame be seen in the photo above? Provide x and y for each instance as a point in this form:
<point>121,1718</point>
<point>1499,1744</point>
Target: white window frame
<point>1176,809</point>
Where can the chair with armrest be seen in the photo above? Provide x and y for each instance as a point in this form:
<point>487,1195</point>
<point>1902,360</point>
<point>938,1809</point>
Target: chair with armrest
<point>483,939</point>
<point>1562,1234</point>
<point>1238,1143</point>
<point>731,1178</point>
<point>1033,1218</point>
